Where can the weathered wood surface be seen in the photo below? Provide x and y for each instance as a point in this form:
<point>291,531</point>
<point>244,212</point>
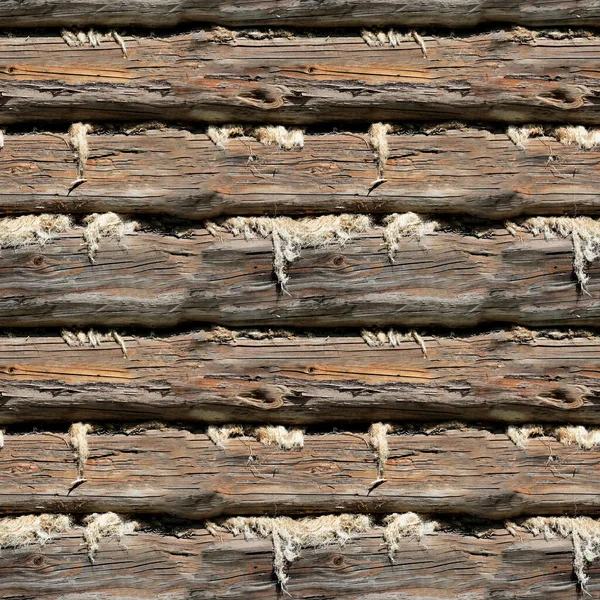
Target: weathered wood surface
<point>184,174</point>
<point>300,80</point>
<point>313,13</point>
<point>304,380</point>
<point>172,472</point>
<point>443,566</point>
<point>446,280</point>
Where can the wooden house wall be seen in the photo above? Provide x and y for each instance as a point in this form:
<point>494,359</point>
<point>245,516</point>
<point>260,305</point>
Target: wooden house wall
<point>182,348</point>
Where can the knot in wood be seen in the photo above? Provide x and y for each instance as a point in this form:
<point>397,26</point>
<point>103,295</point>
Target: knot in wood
<point>267,396</point>
<point>568,397</point>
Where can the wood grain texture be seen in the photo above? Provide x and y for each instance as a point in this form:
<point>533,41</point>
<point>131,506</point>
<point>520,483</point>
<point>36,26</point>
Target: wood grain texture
<point>184,174</point>
<point>304,380</point>
<point>200,567</point>
<point>171,472</point>
<point>445,280</point>
<point>301,80</point>
<point>311,13</point>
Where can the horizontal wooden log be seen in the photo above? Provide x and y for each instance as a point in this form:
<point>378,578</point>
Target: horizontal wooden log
<point>300,80</point>
<point>185,175</point>
<point>304,380</point>
<point>314,13</point>
<point>446,280</point>
<point>199,566</point>
<point>178,473</point>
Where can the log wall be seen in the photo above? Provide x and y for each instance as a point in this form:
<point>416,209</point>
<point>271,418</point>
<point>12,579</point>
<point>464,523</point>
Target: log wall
<point>182,474</point>
<point>300,380</point>
<point>445,280</point>
<point>314,13</point>
<point>181,173</point>
<point>300,80</point>
<point>455,295</point>
<point>201,566</point>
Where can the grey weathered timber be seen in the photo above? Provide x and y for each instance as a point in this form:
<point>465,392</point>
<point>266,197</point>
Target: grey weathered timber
<point>300,80</point>
<point>171,472</point>
<point>184,174</point>
<point>442,566</point>
<point>301,380</point>
<point>443,280</point>
<point>311,13</point>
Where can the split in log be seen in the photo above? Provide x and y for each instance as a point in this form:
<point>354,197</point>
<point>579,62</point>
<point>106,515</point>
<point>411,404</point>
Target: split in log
<point>443,280</point>
<point>182,474</point>
<point>194,564</point>
<point>314,13</point>
<point>301,80</point>
<point>185,175</point>
<point>301,380</point>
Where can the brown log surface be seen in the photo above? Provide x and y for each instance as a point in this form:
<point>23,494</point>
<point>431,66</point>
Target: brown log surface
<point>303,380</point>
<point>184,174</point>
<point>300,80</point>
<point>446,280</point>
<point>311,13</point>
<point>172,472</point>
<point>443,566</point>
